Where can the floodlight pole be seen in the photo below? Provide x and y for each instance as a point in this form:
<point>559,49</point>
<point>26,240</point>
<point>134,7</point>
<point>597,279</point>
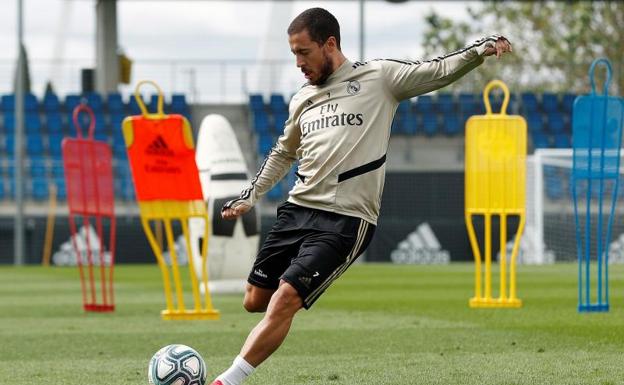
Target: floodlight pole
<point>18,151</point>
<point>362,31</point>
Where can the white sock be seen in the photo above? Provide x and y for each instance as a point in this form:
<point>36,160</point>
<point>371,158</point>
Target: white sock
<point>235,375</point>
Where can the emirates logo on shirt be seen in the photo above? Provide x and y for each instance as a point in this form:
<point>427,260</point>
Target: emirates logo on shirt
<point>353,87</point>
<point>329,115</point>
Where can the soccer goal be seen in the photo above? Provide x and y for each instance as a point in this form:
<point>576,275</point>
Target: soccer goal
<point>549,235</point>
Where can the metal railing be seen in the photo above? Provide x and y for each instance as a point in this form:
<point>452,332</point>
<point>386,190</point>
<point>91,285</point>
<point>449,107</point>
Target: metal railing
<point>203,81</point>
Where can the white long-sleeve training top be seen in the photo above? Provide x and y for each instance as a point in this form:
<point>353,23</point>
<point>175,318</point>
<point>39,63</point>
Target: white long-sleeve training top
<point>339,131</point>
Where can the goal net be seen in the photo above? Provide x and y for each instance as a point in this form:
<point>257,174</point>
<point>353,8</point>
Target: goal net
<point>550,233</point>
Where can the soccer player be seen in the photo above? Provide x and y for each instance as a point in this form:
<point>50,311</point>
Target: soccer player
<point>338,131</point>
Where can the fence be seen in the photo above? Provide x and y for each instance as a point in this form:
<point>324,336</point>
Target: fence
<point>203,81</point>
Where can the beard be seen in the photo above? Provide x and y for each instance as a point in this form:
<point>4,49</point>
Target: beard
<point>324,72</point>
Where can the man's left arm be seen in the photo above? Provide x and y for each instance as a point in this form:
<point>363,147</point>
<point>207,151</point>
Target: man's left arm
<point>408,79</point>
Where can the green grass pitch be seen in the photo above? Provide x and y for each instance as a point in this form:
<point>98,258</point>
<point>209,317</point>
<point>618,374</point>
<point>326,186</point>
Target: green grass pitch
<point>378,324</point>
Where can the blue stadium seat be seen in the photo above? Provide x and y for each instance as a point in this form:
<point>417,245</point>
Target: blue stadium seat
<point>119,146</point>
<point>404,108</point>
<point>37,166</point>
<point>556,122</point>
<point>102,136</point>
<point>9,144</point>
<point>116,121</point>
<point>529,102</point>
<point>512,108</point>
<point>424,104</point>
<point>8,103</point>
<point>496,103</point>
<point>39,188</point>
<point>152,106</point>
<point>446,104</point>
<point>34,145</point>
<point>401,117</point>
<point>261,122</point>
<point>54,123</point>
<point>101,128</point>
<point>289,180</point>
<point>279,118</point>
<point>562,140</point>
<point>115,103</point>
<point>275,194</point>
<point>540,140</point>
<point>265,143</point>
<point>179,106</point>
<point>2,194</point>
<point>410,124</point>
<point>30,103</point>
<point>57,170</point>
<point>278,104</point>
<point>133,106</point>
<point>256,102</point>
<point>51,103</point>
<point>397,125</point>
<point>9,122</point>
<point>535,122</point>
<point>71,101</point>
<point>124,188</point>
<point>12,187</point>
<point>468,103</point>
<point>469,106</point>
<point>550,102</point>
<point>117,134</point>
<point>118,181</point>
<point>61,191</point>
<point>568,102</point>
<point>451,125</point>
<point>128,190</point>
<point>94,100</point>
<point>10,168</point>
<point>32,123</point>
<point>54,145</point>
<point>430,124</point>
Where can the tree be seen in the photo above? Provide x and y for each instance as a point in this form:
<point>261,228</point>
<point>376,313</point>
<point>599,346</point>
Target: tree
<point>554,43</point>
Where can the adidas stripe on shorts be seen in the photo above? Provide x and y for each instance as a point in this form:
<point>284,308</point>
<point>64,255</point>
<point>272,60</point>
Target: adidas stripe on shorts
<point>309,249</point>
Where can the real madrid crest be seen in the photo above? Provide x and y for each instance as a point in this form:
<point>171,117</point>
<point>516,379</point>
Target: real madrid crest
<point>353,87</point>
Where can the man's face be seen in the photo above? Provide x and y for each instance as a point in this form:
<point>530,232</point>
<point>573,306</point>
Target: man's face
<point>312,57</point>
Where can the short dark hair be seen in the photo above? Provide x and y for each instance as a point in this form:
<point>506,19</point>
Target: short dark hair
<point>319,23</point>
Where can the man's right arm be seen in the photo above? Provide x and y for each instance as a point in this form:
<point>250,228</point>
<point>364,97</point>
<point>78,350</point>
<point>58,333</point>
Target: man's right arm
<point>273,169</point>
<point>407,79</point>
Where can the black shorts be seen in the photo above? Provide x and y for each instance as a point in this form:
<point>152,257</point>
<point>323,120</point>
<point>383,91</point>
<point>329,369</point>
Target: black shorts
<point>309,249</point>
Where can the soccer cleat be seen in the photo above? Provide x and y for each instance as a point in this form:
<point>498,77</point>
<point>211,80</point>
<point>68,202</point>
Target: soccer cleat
<point>217,382</point>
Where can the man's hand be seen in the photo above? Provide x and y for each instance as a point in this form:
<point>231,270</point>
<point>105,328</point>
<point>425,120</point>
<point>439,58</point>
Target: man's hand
<point>235,212</point>
<point>501,46</point>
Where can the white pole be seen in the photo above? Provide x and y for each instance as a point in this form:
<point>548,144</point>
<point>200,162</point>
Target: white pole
<point>538,199</point>
<point>18,152</point>
<point>362,31</point>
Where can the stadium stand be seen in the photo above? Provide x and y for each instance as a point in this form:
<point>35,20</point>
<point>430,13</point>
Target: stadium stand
<point>48,121</point>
